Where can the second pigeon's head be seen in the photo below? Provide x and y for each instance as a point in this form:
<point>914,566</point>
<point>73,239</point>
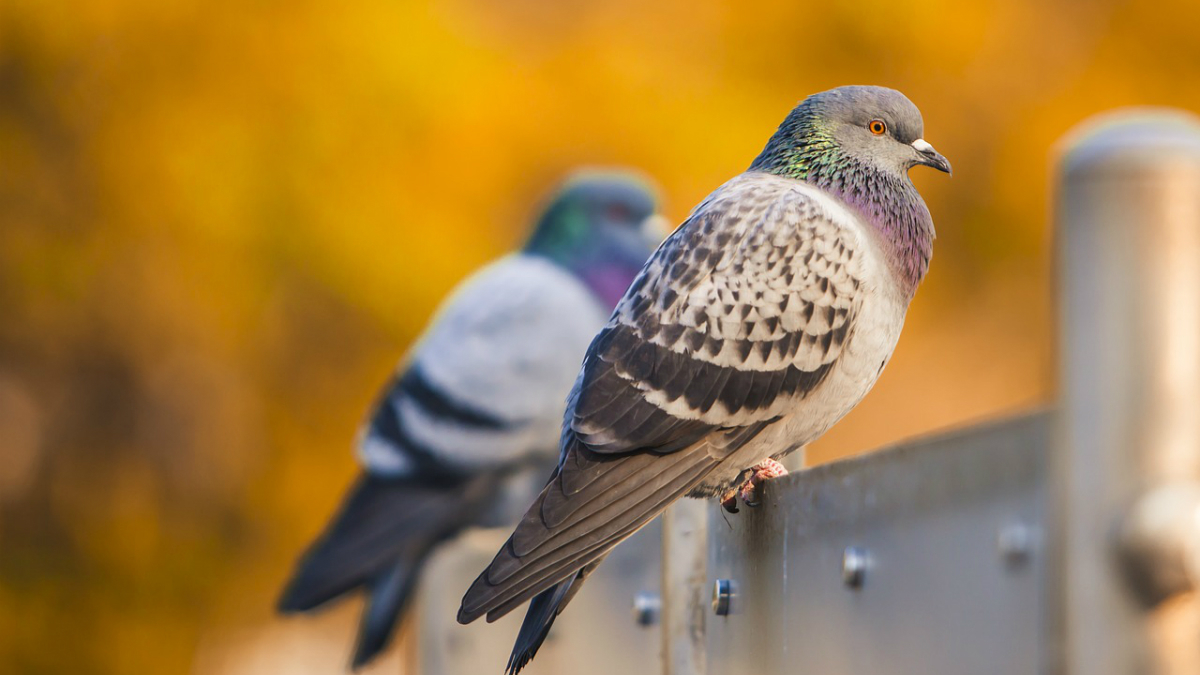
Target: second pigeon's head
<point>602,226</point>
<point>875,127</point>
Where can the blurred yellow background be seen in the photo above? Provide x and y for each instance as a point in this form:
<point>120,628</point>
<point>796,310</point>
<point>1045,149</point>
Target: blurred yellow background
<point>221,223</point>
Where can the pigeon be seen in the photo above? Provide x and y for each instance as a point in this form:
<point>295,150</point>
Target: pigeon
<point>467,430</point>
<point>758,324</point>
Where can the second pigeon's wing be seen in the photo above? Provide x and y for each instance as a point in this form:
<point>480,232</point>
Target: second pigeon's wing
<point>485,386</point>
<point>737,318</point>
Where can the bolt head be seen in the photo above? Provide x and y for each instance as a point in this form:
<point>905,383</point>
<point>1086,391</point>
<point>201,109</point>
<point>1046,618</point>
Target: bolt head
<point>1159,542</point>
<point>647,607</point>
<point>724,592</point>
<point>1014,542</point>
<point>855,562</point>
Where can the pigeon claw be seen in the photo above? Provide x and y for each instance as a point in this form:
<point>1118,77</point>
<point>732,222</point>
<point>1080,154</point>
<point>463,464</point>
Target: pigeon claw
<point>748,491</point>
<point>764,470</point>
<point>729,501</point>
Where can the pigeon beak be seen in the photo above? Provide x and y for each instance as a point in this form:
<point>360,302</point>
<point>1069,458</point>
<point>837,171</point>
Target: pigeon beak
<point>930,157</point>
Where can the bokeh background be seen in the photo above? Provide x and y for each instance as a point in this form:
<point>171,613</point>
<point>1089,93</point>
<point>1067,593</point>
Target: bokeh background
<point>221,223</point>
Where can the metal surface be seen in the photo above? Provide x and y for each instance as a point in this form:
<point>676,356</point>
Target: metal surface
<point>1128,228</point>
<point>595,635</point>
<point>685,555</point>
<point>936,599</point>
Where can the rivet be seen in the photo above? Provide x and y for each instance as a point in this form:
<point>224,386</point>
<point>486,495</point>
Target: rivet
<point>646,608</point>
<point>854,566</point>
<point>1014,542</point>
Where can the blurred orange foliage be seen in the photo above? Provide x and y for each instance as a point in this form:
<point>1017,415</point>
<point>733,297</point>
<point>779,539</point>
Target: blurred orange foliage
<point>222,223</point>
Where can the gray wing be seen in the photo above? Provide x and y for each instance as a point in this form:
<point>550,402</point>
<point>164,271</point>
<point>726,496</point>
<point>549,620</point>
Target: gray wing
<point>737,317</point>
<point>486,384</point>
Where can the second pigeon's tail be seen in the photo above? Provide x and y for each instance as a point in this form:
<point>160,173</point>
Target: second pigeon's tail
<point>380,540</point>
<point>543,609</point>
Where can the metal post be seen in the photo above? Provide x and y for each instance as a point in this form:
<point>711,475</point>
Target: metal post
<point>684,599</point>
<point>1127,464</point>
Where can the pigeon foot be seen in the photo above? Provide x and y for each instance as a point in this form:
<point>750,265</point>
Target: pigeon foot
<point>748,492</point>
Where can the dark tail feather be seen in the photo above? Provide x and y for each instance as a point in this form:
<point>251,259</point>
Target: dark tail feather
<point>380,539</point>
<point>367,536</point>
<point>543,609</point>
<point>387,601</point>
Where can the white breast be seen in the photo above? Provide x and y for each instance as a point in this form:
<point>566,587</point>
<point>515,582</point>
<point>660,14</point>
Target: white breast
<point>868,348</point>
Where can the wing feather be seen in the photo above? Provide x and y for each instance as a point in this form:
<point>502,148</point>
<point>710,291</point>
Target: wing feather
<point>490,373</point>
<point>585,540</point>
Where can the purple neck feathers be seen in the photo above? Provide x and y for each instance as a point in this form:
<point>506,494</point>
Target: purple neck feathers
<point>895,212</point>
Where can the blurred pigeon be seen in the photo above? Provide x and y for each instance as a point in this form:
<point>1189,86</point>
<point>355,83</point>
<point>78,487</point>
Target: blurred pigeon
<point>474,413</point>
<point>755,327</point>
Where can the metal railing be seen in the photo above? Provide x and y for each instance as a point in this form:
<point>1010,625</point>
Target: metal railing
<point>1127,535</point>
<point>1062,542</point>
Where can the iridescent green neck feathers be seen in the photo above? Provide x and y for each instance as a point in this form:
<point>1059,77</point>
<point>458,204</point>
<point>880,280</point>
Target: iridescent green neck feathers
<point>815,147</point>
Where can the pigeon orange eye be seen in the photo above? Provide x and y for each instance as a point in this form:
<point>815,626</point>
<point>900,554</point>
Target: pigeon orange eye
<point>877,127</point>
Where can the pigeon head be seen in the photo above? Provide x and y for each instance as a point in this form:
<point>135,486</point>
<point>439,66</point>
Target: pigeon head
<point>879,125</point>
<point>601,226</point>
<point>857,144</point>
<point>873,127</point>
